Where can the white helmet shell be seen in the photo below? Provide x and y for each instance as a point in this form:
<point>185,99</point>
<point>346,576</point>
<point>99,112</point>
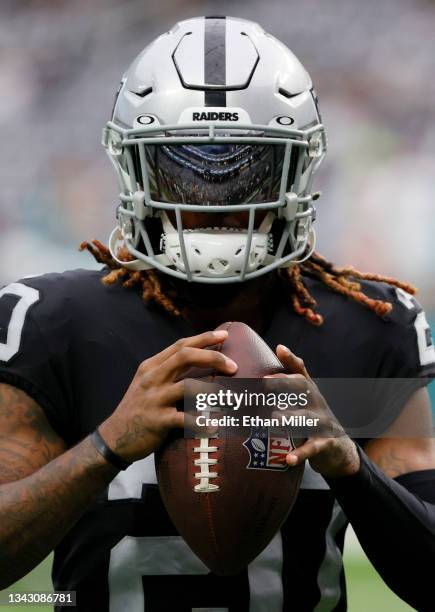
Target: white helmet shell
<point>210,83</point>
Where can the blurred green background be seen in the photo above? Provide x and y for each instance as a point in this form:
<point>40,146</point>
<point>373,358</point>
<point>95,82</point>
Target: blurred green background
<point>366,590</point>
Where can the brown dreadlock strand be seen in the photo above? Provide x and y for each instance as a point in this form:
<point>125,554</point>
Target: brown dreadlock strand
<point>298,293</point>
<point>341,280</point>
<point>147,279</point>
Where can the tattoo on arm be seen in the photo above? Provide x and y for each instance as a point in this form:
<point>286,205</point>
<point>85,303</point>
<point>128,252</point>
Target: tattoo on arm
<point>133,432</point>
<point>27,441</point>
<point>43,489</point>
<point>397,456</point>
<point>401,450</point>
<point>393,463</point>
<point>37,511</point>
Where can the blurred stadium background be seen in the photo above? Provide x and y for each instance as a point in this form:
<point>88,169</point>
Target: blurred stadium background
<point>373,66</point>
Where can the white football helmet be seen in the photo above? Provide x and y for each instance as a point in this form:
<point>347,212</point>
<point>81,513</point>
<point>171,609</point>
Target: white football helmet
<point>215,117</point>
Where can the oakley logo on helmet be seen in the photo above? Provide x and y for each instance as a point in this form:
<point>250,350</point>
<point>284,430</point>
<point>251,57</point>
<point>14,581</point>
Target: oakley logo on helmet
<point>214,116</point>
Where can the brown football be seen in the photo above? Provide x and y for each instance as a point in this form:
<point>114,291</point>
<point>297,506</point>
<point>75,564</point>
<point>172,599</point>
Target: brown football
<point>226,511</point>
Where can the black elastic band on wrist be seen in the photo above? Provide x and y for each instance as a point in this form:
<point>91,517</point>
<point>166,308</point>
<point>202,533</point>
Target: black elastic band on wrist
<point>118,462</point>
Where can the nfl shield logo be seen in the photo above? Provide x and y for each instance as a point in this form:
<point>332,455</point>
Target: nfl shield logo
<point>268,447</point>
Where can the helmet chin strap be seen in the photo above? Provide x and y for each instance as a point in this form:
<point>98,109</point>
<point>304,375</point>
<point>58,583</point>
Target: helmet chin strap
<point>312,242</point>
<point>216,252</point>
<point>117,240</point>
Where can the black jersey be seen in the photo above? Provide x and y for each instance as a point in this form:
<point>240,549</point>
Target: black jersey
<point>74,344</point>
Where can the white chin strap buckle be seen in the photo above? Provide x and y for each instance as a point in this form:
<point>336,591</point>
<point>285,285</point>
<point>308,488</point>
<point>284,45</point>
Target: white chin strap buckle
<point>216,252</point>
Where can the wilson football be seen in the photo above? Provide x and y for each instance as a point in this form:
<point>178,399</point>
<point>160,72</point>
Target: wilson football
<point>228,495</point>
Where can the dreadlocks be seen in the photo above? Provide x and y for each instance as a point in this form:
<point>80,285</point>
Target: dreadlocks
<point>341,280</point>
<point>147,279</point>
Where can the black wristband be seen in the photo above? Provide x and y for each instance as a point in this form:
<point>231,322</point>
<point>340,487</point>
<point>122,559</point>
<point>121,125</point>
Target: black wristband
<point>118,462</point>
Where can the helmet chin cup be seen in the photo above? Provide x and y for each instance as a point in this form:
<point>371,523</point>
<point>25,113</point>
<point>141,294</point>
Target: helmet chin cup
<point>215,252</point>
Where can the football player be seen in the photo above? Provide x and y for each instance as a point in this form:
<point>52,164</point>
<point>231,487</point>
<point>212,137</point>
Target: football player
<point>215,137</point>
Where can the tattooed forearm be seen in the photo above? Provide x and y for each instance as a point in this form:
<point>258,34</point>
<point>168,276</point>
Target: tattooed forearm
<point>27,440</point>
<point>43,489</point>
<point>37,511</point>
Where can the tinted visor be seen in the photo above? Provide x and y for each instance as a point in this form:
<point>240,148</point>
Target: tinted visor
<point>215,174</point>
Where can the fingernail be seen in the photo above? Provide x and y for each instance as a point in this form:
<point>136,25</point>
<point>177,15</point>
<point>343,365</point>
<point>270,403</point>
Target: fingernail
<point>220,333</point>
<point>232,365</point>
<point>283,349</point>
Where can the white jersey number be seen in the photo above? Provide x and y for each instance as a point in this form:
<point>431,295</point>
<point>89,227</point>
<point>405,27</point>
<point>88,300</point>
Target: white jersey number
<point>28,296</point>
<point>133,558</point>
<point>426,349</point>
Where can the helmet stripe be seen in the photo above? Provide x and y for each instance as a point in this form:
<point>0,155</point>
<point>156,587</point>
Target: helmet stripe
<point>215,60</point>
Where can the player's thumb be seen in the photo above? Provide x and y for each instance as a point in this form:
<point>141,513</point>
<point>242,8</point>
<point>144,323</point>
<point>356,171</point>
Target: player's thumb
<point>290,361</point>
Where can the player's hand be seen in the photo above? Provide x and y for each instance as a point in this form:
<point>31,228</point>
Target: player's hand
<point>332,455</point>
<point>147,411</point>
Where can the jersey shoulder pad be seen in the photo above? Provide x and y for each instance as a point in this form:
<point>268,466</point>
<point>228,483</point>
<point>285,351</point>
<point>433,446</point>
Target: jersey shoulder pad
<point>407,331</point>
<point>400,340</point>
<point>55,301</point>
<point>38,322</point>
